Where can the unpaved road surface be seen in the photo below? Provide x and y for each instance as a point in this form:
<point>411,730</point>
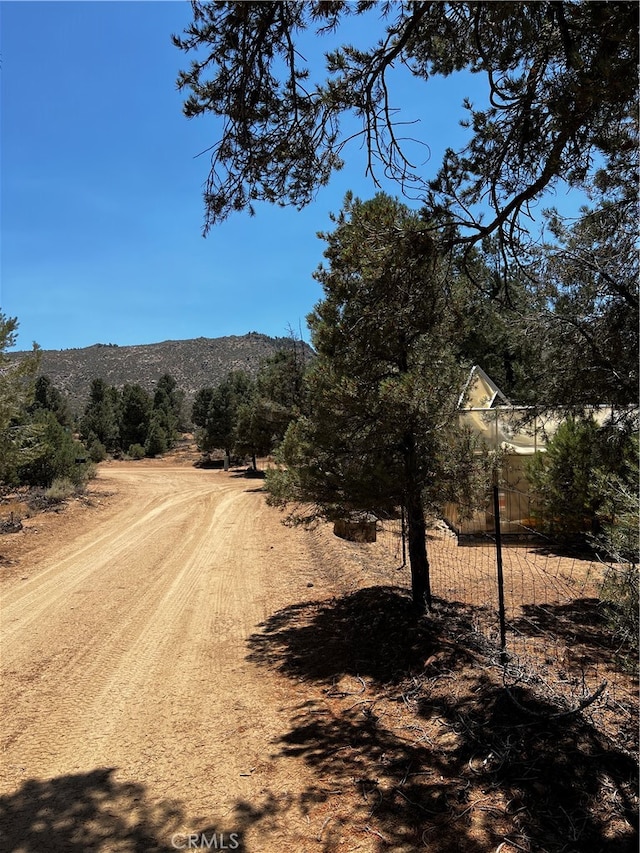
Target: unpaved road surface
<point>182,671</point>
<point>131,718</point>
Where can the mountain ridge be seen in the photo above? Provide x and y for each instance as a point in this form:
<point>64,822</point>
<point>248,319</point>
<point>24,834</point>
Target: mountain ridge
<point>194,363</point>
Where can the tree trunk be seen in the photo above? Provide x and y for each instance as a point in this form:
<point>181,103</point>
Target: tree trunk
<point>416,529</point>
<point>418,560</point>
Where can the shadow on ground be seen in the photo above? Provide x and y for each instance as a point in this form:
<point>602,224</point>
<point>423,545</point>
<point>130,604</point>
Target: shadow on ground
<point>581,625</point>
<point>412,728</point>
<point>94,813</point>
<point>373,633</point>
<point>413,741</point>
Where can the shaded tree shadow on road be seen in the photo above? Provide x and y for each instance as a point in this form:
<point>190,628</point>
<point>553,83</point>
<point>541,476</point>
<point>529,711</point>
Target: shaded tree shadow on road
<point>410,723</point>
<point>85,811</point>
<point>94,813</point>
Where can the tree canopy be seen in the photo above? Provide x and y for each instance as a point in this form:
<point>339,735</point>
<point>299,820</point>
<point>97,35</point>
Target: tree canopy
<point>382,427</point>
<point>585,326</point>
<point>561,76</point>
<point>16,392</point>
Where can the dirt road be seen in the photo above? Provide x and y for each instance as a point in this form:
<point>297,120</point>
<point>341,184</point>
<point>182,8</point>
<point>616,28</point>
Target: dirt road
<point>181,671</point>
<point>132,719</point>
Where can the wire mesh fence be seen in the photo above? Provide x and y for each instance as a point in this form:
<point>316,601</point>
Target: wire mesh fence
<point>548,624</point>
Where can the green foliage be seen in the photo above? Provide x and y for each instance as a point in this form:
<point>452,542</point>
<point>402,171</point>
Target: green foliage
<point>115,420</point>
<point>101,419</point>
<point>574,482</point>
<point>585,329</point>
<point>49,452</point>
<point>562,81</point>
<point>167,407</point>
<point>97,451</point>
<point>280,379</point>
<point>619,543</point>
<point>157,441</point>
<point>617,480</point>
<point>493,307</point>
<point>277,398</point>
<point>382,428</point>
<point>200,407</point>
<point>16,387</point>
<point>254,435</point>
<point>47,398</point>
<point>561,479</point>
<point>216,411</point>
<point>135,416</point>
<point>621,595</point>
<point>136,451</point>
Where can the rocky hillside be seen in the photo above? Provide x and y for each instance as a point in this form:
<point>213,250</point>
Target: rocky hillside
<point>195,364</point>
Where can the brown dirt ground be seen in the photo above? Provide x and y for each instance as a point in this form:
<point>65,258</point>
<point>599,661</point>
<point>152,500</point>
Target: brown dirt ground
<point>182,670</point>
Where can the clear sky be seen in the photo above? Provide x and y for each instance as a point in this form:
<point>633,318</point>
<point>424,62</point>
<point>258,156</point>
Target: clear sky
<point>101,187</point>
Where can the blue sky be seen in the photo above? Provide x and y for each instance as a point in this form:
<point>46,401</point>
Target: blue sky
<point>101,187</point>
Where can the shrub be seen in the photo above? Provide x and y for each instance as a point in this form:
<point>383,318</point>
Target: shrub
<point>61,489</point>
<point>575,482</point>
<point>561,480</point>
<point>621,598</point>
<point>619,543</point>
<point>97,451</point>
<point>136,451</point>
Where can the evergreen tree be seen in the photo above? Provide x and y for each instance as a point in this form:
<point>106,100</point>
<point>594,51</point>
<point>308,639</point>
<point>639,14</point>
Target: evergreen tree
<point>47,398</point>
<point>215,411</point>
<point>220,424</point>
<point>167,407</point>
<point>561,77</point>
<point>16,388</point>
<point>102,416</point>
<point>382,429</point>
<point>253,430</point>
<point>135,416</point>
<point>200,407</point>
<point>280,379</point>
<point>156,442</point>
<point>575,480</point>
<point>585,330</point>
<point>49,452</point>
<point>277,399</point>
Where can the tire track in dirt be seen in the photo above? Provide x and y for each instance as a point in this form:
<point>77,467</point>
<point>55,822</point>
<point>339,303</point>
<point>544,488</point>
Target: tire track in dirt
<point>40,593</point>
<point>127,648</point>
<point>113,617</point>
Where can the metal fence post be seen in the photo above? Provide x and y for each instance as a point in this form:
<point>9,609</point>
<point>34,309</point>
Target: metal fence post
<point>496,511</point>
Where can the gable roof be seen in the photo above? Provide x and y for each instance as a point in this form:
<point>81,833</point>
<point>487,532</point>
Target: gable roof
<point>481,392</point>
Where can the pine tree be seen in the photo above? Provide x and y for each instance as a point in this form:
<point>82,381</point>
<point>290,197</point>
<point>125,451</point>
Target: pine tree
<point>16,388</point>
<point>102,416</point>
<point>135,416</point>
<point>215,411</point>
<point>167,407</point>
<point>382,429</point>
<point>561,77</point>
<point>48,398</point>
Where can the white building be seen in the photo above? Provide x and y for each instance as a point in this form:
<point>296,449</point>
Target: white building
<point>517,431</point>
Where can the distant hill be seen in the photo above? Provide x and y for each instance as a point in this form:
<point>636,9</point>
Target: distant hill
<point>194,364</point>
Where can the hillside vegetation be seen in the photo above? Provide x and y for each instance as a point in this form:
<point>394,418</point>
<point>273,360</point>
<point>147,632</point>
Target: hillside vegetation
<point>194,364</point>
